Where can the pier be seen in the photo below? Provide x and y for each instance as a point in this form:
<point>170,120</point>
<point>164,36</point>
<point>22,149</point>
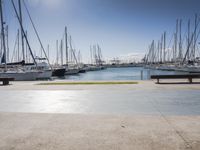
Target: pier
<point>75,75</point>
<point>135,116</point>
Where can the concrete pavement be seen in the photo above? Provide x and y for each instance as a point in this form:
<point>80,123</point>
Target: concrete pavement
<point>96,131</point>
<point>21,131</point>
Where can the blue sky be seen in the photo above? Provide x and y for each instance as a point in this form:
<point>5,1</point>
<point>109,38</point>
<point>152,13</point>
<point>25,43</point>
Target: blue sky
<point>121,27</point>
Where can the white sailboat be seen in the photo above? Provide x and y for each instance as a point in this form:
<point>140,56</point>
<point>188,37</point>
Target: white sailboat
<point>71,68</point>
<point>16,73</point>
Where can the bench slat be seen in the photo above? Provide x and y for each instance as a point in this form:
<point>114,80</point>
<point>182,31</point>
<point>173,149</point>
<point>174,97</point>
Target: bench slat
<point>7,79</point>
<point>180,76</point>
<point>175,76</point>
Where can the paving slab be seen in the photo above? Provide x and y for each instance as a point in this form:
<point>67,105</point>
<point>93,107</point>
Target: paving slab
<point>23,131</point>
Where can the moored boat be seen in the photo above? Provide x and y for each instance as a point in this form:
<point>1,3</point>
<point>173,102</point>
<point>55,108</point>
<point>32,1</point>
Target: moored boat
<point>43,69</point>
<point>72,71</point>
<point>19,75</point>
<point>58,72</point>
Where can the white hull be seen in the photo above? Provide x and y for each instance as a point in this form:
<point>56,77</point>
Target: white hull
<point>71,71</point>
<point>20,76</point>
<point>44,71</point>
<point>189,69</point>
<point>45,74</point>
<point>94,68</point>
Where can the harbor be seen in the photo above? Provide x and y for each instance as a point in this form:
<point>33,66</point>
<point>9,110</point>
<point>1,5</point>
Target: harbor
<point>26,64</point>
<point>81,75</point>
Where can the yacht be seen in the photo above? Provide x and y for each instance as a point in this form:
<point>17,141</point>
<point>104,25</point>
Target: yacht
<point>43,69</point>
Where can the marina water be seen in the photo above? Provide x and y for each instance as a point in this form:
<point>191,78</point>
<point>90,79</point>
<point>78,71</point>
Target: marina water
<point>116,74</point>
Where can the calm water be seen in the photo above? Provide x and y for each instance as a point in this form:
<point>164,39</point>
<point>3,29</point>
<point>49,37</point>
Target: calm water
<point>133,73</point>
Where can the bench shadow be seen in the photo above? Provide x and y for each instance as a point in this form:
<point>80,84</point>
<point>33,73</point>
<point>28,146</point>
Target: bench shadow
<point>179,83</point>
<point>5,85</point>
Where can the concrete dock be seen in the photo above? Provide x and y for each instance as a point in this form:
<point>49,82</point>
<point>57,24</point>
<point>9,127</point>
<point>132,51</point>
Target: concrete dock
<point>145,117</point>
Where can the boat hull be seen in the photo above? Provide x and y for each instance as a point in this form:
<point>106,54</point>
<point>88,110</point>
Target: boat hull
<point>71,71</point>
<point>94,68</point>
<point>58,72</point>
<point>20,76</point>
<point>45,74</point>
<point>82,71</point>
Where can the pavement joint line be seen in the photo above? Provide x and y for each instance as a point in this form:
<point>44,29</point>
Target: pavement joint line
<point>188,145</point>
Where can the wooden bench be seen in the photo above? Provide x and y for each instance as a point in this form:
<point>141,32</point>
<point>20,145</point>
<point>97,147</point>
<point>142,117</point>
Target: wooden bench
<point>6,80</point>
<point>180,76</point>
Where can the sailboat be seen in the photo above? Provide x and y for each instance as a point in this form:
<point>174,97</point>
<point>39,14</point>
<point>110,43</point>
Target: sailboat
<point>58,70</point>
<point>18,73</point>
<point>96,59</point>
<point>25,71</point>
<point>43,69</point>
<point>70,67</point>
<point>42,65</point>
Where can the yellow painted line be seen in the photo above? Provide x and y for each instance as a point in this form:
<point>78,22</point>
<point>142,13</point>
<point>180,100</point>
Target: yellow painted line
<point>87,83</point>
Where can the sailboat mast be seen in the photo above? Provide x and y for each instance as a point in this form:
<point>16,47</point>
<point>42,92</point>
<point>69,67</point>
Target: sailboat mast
<point>57,53</point>
<point>24,33</point>
<point>48,51</point>
<point>180,40</point>
<point>152,51</point>
<point>161,49</point>
<point>164,50</point>
<point>3,34</point>
<point>176,40</point>
<point>188,55</point>
<point>195,38</point>
<point>18,45</point>
<point>91,55</point>
<point>158,52</point>
<point>7,43</point>
<point>61,51</point>
<point>22,36</point>
<point>72,51</point>
<point>66,44</point>
<point>27,59</point>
